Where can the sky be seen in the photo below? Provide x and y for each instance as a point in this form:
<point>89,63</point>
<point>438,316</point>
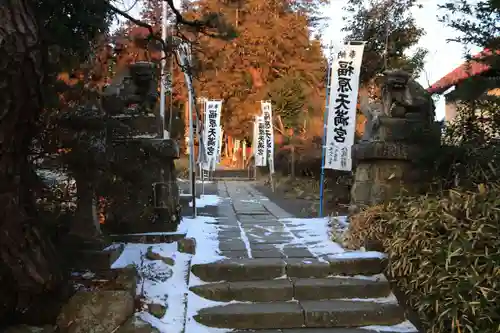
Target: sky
<point>443,56</point>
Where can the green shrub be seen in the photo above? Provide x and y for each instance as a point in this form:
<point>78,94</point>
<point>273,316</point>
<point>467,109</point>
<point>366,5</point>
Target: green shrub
<point>444,254</point>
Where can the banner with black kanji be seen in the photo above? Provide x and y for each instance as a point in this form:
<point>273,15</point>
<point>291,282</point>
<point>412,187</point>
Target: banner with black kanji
<point>212,133</point>
<point>343,97</point>
<point>267,114</point>
<point>259,141</point>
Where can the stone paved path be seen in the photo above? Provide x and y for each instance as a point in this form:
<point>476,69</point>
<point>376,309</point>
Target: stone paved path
<point>252,228</point>
<point>274,278</point>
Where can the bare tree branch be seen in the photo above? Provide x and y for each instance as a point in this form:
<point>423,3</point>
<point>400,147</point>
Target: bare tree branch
<point>140,23</point>
<point>181,20</point>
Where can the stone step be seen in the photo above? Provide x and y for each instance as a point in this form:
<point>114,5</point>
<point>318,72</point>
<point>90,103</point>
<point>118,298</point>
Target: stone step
<point>231,179</point>
<point>149,238</point>
<point>308,314</point>
<point>387,329</point>
<point>299,289</point>
<point>96,260</point>
<point>244,269</point>
<point>232,173</point>
<point>111,279</point>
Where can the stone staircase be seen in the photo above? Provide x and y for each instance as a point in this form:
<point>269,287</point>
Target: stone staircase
<point>233,174</point>
<point>297,295</point>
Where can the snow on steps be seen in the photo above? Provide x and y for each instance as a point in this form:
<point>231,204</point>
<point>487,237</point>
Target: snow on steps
<point>270,268</point>
<point>297,295</point>
<point>321,314</point>
<point>296,288</point>
<point>405,327</point>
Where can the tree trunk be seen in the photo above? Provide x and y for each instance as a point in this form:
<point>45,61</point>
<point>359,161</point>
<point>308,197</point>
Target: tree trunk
<point>27,257</point>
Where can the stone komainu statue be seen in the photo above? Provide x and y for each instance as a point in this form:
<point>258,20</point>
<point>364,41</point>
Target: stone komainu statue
<point>136,84</point>
<point>401,97</point>
<point>398,131</point>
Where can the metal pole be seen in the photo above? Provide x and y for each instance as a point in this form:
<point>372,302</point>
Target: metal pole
<point>202,180</point>
<point>165,133</point>
<point>325,128</point>
<point>163,90</point>
<point>202,162</point>
<point>244,152</point>
<point>192,166</point>
<point>254,145</point>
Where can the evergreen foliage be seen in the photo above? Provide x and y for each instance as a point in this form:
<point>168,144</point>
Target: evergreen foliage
<point>390,32</point>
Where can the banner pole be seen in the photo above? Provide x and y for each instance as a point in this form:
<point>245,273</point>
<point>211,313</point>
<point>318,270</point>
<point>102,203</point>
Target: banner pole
<point>202,180</point>
<point>325,128</point>
<point>192,165</point>
<point>254,145</point>
<point>202,171</point>
<point>164,24</point>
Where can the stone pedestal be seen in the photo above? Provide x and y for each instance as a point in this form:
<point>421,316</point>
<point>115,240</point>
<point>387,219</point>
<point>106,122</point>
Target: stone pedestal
<point>137,206</point>
<point>389,163</point>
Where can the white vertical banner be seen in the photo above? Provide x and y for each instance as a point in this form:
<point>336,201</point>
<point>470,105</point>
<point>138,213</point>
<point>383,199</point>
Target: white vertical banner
<point>259,145</point>
<point>211,133</point>
<point>343,98</point>
<point>236,149</point>
<point>202,153</point>
<point>267,113</point>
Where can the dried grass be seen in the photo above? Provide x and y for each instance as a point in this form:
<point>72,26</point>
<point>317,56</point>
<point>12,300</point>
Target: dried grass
<point>444,253</point>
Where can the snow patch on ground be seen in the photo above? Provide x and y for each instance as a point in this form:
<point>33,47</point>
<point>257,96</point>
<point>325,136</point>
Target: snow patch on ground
<point>207,246</point>
<point>315,233</point>
<point>198,181</point>
<point>204,230</point>
<point>357,255</point>
<point>245,239</point>
<point>206,200</point>
<point>338,228</point>
<point>258,200</point>
<point>341,220</point>
<point>160,283</point>
<point>376,277</point>
<point>391,299</point>
<point>113,246</point>
<point>404,327</point>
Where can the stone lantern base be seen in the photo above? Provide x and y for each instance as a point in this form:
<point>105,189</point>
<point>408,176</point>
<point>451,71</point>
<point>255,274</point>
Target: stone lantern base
<point>384,170</point>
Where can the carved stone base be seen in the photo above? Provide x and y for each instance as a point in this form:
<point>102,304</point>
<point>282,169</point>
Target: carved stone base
<point>386,151</point>
<point>136,207</point>
<point>383,171</point>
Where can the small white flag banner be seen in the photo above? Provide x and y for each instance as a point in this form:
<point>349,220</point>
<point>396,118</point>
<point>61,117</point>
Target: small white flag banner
<point>267,113</point>
<point>211,133</point>
<point>341,126</point>
<point>236,149</point>
<point>259,145</point>
<point>202,152</point>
